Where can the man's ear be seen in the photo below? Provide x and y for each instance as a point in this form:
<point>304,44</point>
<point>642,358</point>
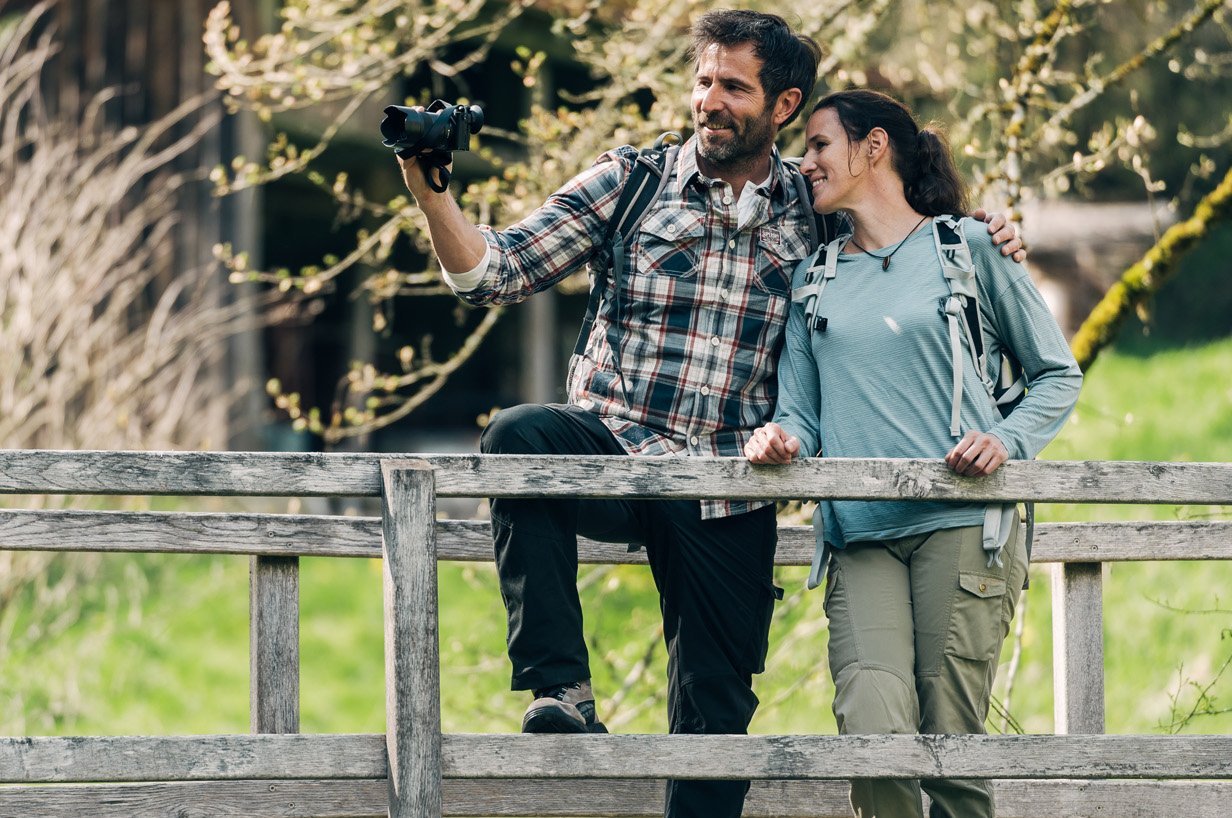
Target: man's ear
<point>786,105</point>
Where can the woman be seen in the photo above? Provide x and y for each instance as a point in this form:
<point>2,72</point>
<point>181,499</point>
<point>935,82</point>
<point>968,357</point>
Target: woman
<point>919,594</point>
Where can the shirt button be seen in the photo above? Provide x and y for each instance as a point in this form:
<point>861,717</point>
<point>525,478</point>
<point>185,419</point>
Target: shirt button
<point>671,228</point>
<point>723,294</point>
<point>731,244</point>
<point>694,440</point>
<point>727,199</point>
<point>983,586</point>
<point>705,390</point>
<point>714,342</point>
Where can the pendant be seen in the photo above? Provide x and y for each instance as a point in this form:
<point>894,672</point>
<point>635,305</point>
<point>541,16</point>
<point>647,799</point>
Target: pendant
<point>885,263</point>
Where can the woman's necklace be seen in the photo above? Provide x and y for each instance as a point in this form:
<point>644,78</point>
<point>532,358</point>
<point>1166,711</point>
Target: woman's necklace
<point>885,260</point>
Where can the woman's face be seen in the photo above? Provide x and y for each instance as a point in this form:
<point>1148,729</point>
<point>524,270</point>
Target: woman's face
<point>829,162</point>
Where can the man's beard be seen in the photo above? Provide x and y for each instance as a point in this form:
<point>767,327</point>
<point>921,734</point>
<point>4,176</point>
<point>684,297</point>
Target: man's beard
<point>740,146</point>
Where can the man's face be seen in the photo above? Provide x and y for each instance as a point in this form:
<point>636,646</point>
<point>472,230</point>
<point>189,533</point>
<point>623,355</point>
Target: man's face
<point>734,121</point>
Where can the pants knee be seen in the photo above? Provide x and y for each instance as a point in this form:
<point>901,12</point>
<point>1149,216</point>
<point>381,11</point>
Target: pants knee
<point>712,705</point>
<point>874,700</point>
<point>516,430</point>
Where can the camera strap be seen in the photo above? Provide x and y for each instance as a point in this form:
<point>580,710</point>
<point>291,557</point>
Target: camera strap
<point>434,159</point>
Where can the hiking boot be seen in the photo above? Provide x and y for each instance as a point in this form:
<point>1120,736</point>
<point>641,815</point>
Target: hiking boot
<point>567,708</point>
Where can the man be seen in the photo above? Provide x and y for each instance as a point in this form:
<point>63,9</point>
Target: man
<point>680,363</point>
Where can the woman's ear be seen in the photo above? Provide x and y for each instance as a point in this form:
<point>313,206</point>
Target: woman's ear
<point>877,143</point>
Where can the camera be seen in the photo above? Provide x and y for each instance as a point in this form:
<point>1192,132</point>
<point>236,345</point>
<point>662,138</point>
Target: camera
<point>431,134</point>
<point>440,126</point>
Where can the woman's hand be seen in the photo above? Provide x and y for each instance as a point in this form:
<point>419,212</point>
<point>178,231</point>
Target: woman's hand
<point>978,454</point>
<point>770,444</point>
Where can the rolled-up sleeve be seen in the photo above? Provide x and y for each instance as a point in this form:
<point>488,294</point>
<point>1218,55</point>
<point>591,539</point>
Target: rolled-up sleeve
<point>554,241</point>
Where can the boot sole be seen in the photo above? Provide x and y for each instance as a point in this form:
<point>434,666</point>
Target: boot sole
<point>551,720</point>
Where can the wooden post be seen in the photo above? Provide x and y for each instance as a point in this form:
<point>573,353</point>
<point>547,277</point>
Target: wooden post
<point>1078,647</point>
<point>412,649</point>
<point>273,636</point>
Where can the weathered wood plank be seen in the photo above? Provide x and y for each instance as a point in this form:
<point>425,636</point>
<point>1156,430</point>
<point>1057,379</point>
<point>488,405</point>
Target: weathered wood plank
<point>200,758</point>
<point>302,535</point>
<point>118,759</point>
<point>316,474</point>
<point>273,644</point>
<point>274,535</point>
<point>821,757</point>
<point>190,758</point>
<point>1078,647</point>
<point>597,797</point>
<point>412,646</point>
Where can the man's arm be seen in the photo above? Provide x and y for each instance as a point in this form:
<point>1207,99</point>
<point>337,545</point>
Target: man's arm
<point>458,244</point>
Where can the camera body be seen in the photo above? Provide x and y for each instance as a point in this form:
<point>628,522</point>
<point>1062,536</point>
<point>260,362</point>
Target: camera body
<point>439,127</point>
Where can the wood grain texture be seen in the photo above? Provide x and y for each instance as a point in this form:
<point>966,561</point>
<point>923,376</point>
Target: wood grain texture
<point>1078,647</point>
<point>596,797</point>
<point>314,474</point>
<point>119,759</point>
<point>412,644</point>
<point>190,758</point>
<point>305,535</point>
<point>273,644</point>
<point>824,757</point>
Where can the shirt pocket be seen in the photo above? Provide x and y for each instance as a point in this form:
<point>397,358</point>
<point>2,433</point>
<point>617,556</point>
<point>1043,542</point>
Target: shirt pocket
<point>779,250</point>
<point>669,243</point>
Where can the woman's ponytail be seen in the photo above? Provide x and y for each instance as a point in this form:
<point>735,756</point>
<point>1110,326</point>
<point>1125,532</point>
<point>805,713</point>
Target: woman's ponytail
<point>934,187</point>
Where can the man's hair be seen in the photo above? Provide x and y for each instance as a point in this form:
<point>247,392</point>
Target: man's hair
<point>789,60</point>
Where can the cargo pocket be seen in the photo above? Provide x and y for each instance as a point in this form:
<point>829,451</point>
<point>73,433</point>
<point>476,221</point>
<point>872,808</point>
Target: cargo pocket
<point>975,618</point>
<point>761,630</point>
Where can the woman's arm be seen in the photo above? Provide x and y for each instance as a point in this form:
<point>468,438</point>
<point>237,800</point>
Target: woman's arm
<point>1024,325</point>
<point>795,429</point>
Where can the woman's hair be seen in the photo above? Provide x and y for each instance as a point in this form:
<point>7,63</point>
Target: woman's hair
<point>921,156</point>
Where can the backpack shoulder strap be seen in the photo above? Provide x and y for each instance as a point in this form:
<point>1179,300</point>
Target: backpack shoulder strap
<point>818,270</point>
<point>1011,384</point>
<point>642,187</point>
<point>815,222</point>
<point>961,309</point>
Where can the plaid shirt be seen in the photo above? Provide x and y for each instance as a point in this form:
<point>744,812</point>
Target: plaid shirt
<point>703,304</point>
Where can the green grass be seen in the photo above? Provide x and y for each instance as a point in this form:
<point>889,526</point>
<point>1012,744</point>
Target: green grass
<point>158,644</point>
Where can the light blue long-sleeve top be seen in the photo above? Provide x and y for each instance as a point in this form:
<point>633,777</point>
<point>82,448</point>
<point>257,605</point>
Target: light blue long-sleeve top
<point>877,382</point>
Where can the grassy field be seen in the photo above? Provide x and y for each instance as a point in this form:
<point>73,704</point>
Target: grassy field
<point>159,644</point>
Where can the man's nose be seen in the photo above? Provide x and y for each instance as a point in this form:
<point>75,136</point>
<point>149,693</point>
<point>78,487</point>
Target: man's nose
<point>712,99</point>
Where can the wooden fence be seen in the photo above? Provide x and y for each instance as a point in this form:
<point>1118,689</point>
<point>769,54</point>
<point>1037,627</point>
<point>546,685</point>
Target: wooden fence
<point>412,770</point>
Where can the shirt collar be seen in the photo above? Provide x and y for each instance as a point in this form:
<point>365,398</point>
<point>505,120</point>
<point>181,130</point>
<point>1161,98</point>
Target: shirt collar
<point>687,171</point>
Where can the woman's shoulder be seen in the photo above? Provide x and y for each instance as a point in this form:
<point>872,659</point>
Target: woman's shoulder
<point>984,254</point>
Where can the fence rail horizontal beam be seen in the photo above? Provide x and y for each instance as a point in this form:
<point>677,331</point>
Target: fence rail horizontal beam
<point>302,535</point>
<point>828,757</point>
<point>116,759</point>
<point>296,474</point>
<point>368,798</point>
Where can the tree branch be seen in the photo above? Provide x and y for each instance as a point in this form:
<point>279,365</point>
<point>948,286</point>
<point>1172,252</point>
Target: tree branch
<point>1147,276</point>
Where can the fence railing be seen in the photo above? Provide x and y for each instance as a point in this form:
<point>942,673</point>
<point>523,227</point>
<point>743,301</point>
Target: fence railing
<point>414,770</point>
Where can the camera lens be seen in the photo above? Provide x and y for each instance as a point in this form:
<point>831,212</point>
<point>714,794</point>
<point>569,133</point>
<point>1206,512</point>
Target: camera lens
<point>405,126</point>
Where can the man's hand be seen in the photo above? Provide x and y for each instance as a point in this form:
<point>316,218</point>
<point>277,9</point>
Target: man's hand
<point>1003,233</point>
<point>978,454</point>
<point>413,176</point>
<point>770,444</point>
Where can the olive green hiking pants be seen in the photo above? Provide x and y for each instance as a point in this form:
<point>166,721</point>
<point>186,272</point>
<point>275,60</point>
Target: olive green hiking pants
<point>916,627</point>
